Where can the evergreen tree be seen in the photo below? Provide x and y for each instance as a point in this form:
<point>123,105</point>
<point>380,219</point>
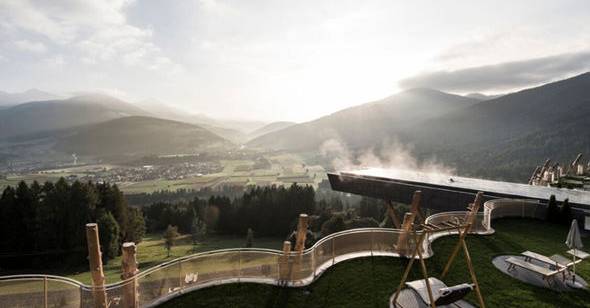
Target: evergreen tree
<point>333,225</point>
<point>9,222</point>
<point>170,235</point>
<point>249,238</point>
<point>135,225</point>
<point>108,231</point>
<point>552,210</point>
<point>45,224</point>
<point>566,212</point>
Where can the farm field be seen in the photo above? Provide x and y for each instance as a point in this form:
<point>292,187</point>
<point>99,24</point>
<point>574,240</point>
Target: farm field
<point>284,169</point>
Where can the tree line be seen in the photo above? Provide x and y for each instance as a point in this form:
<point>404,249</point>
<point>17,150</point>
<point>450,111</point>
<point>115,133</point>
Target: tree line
<point>263,211</point>
<point>44,225</point>
<point>269,211</point>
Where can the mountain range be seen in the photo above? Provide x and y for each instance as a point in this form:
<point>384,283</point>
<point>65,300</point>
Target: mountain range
<point>503,137</point>
<point>41,116</point>
<point>500,137</point>
<point>368,124</point>
<point>11,99</point>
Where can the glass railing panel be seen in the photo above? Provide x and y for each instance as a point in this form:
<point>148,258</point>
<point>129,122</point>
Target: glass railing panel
<point>259,265</point>
<point>27,292</point>
<point>63,294</point>
<point>159,282</point>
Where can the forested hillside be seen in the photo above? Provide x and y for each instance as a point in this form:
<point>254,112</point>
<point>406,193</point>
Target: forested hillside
<point>44,225</point>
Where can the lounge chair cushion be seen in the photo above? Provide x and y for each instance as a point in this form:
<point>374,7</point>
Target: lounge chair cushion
<point>452,294</point>
<point>441,294</point>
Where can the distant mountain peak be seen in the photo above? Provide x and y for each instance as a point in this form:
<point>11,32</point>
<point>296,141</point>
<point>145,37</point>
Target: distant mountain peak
<point>30,95</point>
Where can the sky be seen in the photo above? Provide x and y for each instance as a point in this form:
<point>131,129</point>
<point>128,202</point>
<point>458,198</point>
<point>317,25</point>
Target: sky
<point>287,60</point>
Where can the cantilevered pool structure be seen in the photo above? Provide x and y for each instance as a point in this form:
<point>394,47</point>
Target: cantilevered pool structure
<point>444,192</point>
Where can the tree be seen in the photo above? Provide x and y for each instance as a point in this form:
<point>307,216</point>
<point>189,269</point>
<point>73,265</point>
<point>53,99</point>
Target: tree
<point>333,225</point>
<point>198,231</point>
<point>170,235</point>
<point>552,210</point>
<point>249,238</point>
<point>45,224</point>
<point>566,212</point>
<point>135,225</point>
<point>370,207</point>
<point>108,231</point>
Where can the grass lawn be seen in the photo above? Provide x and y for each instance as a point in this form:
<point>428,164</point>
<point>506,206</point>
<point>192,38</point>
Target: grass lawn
<point>369,282</point>
<point>151,252</point>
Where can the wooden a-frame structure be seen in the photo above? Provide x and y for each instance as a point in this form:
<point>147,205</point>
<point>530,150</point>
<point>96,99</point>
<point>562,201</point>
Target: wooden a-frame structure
<point>414,209</point>
<point>462,226</point>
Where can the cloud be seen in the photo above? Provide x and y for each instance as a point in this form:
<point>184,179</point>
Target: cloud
<point>503,76</point>
<point>28,46</point>
<point>94,32</point>
<point>54,62</point>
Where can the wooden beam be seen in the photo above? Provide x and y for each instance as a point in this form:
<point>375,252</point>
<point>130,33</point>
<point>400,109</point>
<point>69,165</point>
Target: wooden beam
<point>402,240</point>
<point>471,216</point>
<point>408,268</point>
<point>425,274</point>
<point>301,233</point>
<point>472,273</point>
<point>95,261</point>
<point>454,253</point>
<point>392,215</point>
<point>129,269</point>
<point>415,206</point>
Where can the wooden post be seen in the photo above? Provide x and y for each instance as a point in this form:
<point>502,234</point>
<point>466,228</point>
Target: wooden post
<point>300,244</point>
<point>472,273</point>
<point>301,233</point>
<point>284,271</point>
<point>406,227</point>
<point>392,214</point>
<point>473,208</point>
<point>415,206</point>
<point>408,267</point>
<point>402,241</point>
<point>129,269</point>
<point>94,258</point>
<point>425,274</point>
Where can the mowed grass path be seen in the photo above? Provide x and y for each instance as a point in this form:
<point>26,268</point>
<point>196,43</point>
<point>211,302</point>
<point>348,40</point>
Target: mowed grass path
<point>369,282</point>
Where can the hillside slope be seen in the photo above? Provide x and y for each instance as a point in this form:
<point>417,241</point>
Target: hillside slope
<point>11,99</point>
<point>367,124</point>
<point>52,115</point>
<point>272,127</point>
<point>508,136</point>
<point>138,135</point>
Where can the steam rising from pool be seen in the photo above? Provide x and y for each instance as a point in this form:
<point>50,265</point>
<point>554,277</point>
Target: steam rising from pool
<point>391,159</point>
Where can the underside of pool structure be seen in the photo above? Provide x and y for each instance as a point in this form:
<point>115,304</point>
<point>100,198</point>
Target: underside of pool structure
<point>447,196</point>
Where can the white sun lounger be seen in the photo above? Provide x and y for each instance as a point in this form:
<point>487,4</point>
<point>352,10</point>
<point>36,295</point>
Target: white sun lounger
<point>529,255</point>
<point>547,273</point>
<point>563,261</point>
<point>578,253</point>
